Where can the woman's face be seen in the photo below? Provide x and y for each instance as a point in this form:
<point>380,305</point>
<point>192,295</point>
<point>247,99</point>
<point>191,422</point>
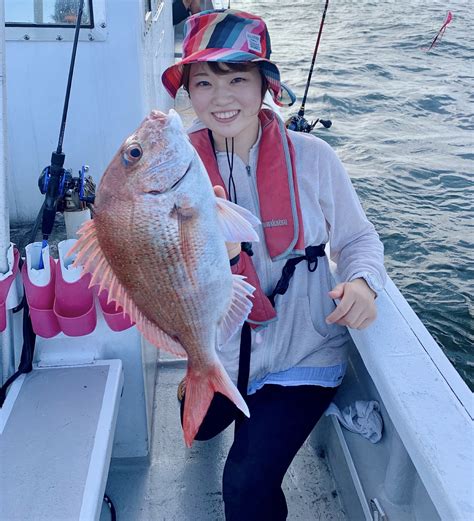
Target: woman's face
<point>228,104</point>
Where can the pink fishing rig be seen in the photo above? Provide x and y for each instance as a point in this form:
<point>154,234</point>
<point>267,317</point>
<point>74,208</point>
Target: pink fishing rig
<point>441,32</point>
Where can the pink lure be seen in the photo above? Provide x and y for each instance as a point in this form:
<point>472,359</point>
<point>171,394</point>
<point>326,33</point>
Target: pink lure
<point>441,32</point>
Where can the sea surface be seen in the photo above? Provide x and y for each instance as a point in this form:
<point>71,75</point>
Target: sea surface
<point>403,121</point>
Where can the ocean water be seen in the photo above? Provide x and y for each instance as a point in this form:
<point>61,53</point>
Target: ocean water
<point>403,121</point>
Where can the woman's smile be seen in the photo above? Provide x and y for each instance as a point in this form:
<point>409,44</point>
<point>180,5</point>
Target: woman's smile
<point>227,116</point>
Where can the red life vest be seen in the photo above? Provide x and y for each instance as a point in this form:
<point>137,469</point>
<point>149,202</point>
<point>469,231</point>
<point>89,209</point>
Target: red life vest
<point>280,210</point>
<point>277,185</point>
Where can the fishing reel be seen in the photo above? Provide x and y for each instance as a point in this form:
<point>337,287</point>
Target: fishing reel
<point>301,124</point>
<point>74,193</point>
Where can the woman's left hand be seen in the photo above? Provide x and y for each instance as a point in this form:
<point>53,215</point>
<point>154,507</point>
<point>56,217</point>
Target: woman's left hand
<point>356,308</point>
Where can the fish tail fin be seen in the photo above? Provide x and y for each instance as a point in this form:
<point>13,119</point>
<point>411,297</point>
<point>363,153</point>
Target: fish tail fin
<point>200,389</point>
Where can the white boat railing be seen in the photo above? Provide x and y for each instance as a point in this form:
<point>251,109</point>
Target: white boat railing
<point>426,399</point>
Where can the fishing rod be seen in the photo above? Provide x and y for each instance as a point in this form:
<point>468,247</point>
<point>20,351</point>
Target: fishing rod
<point>299,122</point>
<point>51,183</point>
<point>54,177</point>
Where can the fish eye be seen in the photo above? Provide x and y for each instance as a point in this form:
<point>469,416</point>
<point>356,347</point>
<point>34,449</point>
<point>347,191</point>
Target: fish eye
<point>133,153</point>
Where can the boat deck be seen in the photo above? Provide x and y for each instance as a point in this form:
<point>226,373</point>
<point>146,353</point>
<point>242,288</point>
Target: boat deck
<point>183,484</point>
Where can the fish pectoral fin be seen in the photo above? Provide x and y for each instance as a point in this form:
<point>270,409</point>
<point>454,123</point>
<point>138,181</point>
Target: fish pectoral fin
<point>236,222</point>
<point>239,308</point>
<point>158,337</point>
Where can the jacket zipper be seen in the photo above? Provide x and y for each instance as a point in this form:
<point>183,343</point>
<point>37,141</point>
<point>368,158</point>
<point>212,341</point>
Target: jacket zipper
<point>269,333</point>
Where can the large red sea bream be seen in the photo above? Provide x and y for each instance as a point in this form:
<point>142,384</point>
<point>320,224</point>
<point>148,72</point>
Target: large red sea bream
<point>157,244</point>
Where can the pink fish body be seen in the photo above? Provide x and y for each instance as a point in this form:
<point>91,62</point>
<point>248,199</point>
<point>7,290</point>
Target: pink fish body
<point>157,244</point>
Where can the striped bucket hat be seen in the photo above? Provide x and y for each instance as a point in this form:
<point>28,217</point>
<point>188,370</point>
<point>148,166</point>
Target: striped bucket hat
<point>227,36</point>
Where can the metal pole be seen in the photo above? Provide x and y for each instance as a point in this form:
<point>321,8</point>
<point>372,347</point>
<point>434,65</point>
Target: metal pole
<point>4,217</point>
<point>7,356</point>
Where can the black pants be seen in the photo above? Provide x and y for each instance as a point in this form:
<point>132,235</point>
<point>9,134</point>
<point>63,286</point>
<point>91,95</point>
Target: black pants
<point>281,418</point>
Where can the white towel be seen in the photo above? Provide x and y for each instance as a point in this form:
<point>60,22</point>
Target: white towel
<point>361,417</point>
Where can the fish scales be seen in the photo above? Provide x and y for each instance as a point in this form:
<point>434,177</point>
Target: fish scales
<point>157,243</point>
<point>164,280</point>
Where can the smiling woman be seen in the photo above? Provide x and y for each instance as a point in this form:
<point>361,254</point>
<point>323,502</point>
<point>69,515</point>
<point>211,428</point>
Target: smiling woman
<point>299,189</point>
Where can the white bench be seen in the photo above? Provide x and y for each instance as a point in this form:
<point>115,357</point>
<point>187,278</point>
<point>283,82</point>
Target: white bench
<point>56,433</point>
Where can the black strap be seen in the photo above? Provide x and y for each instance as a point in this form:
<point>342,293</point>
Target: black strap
<point>311,256</point>
<point>29,338</point>
<point>286,274</point>
<point>244,359</point>
<point>27,352</point>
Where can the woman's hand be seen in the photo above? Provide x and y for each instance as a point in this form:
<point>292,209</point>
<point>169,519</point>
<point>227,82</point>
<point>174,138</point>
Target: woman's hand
<point>233,248</point>
<point>356,308</point>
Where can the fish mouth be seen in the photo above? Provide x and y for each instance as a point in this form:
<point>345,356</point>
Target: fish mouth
<point>172,187</point>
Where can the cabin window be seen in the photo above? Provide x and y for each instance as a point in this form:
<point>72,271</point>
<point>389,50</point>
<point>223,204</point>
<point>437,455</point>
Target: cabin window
<point>55,20</point>
<point>47,13</point>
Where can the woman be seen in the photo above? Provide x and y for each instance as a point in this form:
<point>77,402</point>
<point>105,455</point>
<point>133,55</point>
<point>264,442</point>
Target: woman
<point>298,188</point>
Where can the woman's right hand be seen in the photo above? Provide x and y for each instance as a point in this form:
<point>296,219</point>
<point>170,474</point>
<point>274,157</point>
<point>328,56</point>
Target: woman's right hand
<point>233,248</point>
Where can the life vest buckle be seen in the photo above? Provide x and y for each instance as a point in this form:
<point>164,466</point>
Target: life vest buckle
<point>311,254</point>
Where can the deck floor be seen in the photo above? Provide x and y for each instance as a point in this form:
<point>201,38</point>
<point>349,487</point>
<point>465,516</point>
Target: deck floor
<point>180,484</point>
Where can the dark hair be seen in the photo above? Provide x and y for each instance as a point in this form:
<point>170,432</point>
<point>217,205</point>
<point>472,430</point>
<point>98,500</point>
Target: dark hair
<point>222,68</point>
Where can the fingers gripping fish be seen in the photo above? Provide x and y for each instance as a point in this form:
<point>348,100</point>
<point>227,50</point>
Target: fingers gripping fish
<point>157,244</point>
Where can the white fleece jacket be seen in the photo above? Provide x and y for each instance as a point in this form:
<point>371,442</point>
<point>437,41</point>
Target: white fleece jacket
<point>331,212</point>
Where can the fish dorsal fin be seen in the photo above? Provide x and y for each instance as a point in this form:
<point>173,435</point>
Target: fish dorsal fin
<point>239,308</point>
<point>236,222</point>
<point>90,256</point>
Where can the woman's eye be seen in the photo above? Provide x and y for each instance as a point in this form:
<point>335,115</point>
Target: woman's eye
<point>238,80</point>
<point>133,153</point>
<point>202,83</point>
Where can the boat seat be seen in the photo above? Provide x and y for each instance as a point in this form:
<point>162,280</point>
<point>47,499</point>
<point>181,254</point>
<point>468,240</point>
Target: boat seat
<point>56,433</point>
